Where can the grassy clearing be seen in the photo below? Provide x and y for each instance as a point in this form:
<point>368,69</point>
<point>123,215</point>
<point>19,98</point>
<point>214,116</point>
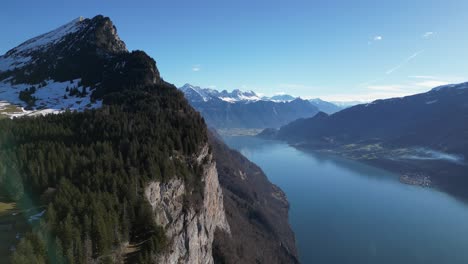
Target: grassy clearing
<point>6,208</point>
<point>9,109</point>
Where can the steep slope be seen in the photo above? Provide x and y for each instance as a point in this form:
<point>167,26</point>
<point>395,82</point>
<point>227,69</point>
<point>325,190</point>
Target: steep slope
<point>434,119</point>
<point>244,109</point>
<point>130,177</point>
<point>256,210</point>
<point>426,133</point>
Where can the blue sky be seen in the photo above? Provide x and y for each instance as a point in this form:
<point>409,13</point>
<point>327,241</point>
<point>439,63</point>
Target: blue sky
<point>336,50</point>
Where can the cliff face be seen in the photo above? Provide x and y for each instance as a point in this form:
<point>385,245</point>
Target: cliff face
<point>190,231</point>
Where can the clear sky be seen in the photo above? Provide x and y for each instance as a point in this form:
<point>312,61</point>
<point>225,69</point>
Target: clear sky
<point>337,50</point>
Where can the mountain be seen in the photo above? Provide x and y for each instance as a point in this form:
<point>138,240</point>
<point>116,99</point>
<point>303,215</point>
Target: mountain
<point>325,106</point>
<point>71,67</point>
<point>424,133</point>
<point>239,109</point>
<point>280,98</point>
<point>346,104</point>
<point>197,94</point>
<point>124,170</point>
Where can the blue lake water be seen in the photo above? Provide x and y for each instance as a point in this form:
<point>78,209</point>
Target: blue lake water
<point>347,212</point>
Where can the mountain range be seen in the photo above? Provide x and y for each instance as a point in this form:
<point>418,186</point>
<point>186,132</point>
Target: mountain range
<point>423,133</point>
<point>238,109</point>
<point>124,170</point>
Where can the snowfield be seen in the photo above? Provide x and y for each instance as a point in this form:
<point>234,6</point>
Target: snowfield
<point>51,98</point>
<point>21,55</point>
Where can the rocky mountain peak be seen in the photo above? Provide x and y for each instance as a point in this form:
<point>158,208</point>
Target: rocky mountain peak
<point>103,34</point>
<point>72,67</point>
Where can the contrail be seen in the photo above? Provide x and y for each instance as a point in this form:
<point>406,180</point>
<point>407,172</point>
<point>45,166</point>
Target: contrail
<point>410,58</point>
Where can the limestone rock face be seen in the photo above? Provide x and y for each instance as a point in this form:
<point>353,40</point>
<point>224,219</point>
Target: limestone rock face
<point>190,232</point>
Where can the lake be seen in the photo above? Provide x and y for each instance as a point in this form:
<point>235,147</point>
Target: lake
<point>344,211</point>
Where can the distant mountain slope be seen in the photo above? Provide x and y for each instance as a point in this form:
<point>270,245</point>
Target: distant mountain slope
<point>426,132</point>
<point>239,109</point>
<point>325,106</point>
<point>436,119</point>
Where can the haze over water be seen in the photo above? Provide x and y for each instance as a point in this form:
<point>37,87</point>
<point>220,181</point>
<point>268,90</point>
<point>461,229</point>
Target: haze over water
<point>347,212</point>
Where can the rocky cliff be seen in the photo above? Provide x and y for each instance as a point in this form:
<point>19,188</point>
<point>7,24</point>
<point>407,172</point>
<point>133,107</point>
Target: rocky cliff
<point>189,230</point>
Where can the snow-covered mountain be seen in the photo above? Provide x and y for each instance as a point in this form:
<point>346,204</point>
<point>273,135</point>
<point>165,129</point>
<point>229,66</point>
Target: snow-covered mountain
<point>280,98</point>
<point>61,69</point>
<point>245,109</point>
<point>239,109</point>
<point>196,93</point>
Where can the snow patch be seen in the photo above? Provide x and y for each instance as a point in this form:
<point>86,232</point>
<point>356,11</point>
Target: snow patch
<point>10,63</point>
<point>21,55</point>
<point>51,98</point>
<point>228,99</point>
<point>50,38</point>
<point>448,86</point>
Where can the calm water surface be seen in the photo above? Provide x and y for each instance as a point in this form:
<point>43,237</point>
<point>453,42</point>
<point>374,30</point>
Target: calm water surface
<point>347,212</point>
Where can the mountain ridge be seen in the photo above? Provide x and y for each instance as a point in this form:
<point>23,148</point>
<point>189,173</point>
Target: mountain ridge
<point>248,110</point>
<point>423,133</point>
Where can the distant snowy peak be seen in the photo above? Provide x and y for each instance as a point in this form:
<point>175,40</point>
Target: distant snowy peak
<point>238,95</point>
<point>281,98</point>
<point>72,37</point>
<point>198,94</point>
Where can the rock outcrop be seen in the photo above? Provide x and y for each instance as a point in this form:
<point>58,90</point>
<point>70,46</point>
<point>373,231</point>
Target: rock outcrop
<point>190,230</point>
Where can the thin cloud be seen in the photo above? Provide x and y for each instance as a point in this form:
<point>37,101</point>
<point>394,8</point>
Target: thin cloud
<point>297,86</point>
<point>374,39</point>
<point>196,68</point>
<point>387,88</point>
<point>430,77</point>
<point>432,83</point>
<point>428,34</point>
<point>404,62</point>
